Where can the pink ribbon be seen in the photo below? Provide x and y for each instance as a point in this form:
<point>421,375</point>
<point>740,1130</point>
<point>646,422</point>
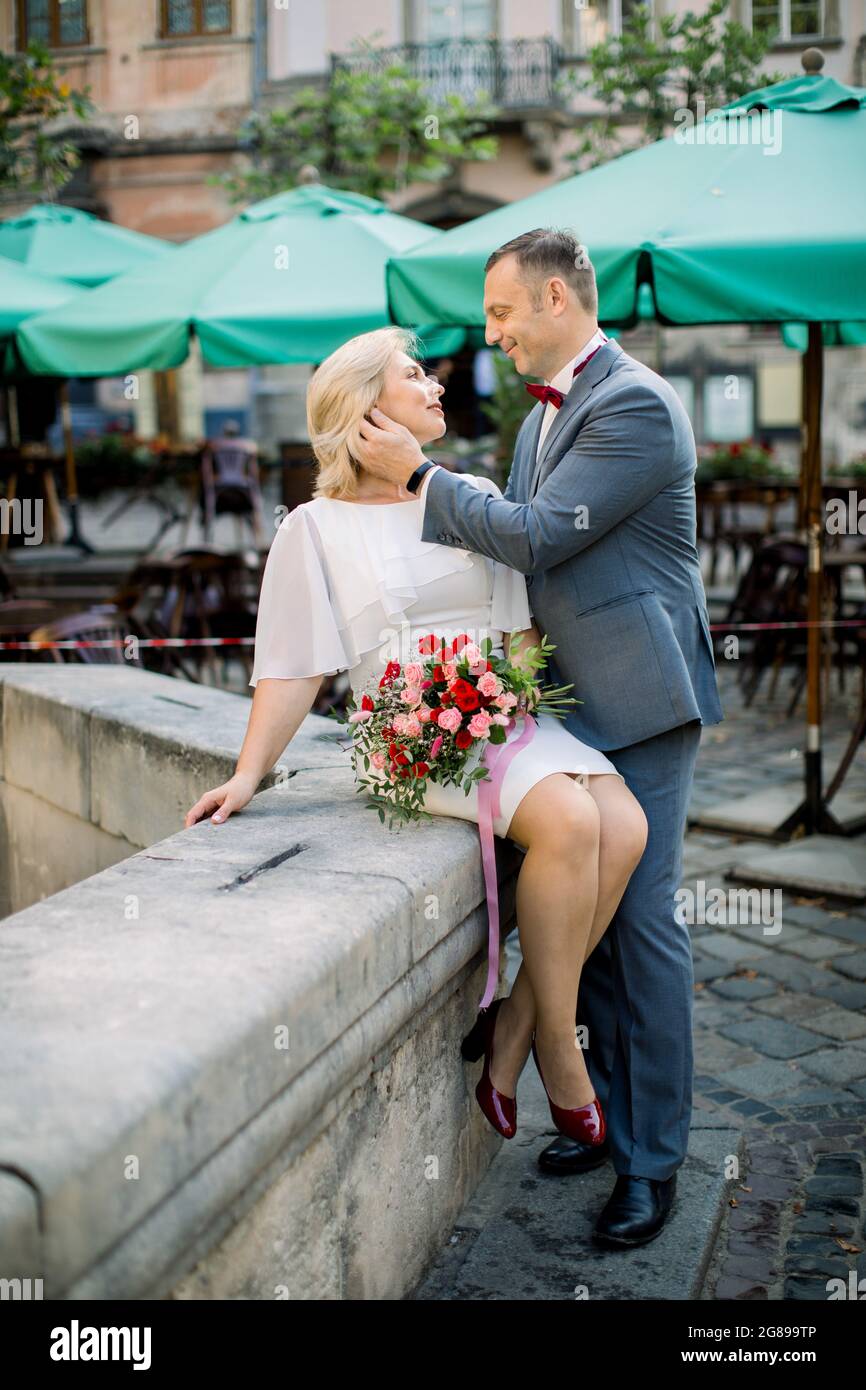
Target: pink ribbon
<point>496,759</point>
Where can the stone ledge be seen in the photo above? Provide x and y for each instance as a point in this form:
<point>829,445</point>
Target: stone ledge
<point>138,1011</point>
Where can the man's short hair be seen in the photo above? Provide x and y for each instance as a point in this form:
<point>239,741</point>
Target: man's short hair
<point>545,252</point>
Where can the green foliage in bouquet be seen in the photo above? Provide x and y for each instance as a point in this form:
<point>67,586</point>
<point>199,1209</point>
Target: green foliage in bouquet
<point>400,751</point>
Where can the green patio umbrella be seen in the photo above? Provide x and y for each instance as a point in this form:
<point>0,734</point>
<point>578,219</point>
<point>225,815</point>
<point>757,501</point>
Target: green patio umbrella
<point>796,335</point>
<point>757,214</point>
<point>741,218</point>
<point>23,293</point>
<point>286,280</point>
<point>74,245</point>
<point>81,250</point>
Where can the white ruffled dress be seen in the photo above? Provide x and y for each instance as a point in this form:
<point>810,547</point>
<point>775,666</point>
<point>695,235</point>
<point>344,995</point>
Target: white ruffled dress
<point>349,586</point>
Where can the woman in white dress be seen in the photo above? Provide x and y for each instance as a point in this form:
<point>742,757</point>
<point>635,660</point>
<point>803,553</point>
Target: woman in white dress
<point>347,578</point>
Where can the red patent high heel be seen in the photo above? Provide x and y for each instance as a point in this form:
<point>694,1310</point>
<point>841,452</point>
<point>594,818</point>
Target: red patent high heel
<point>500,1110</point>
<point>586,1124</point>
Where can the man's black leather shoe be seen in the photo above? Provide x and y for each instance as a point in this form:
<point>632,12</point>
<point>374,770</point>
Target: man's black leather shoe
<point>566,1155</point>
<point>636,1211</point>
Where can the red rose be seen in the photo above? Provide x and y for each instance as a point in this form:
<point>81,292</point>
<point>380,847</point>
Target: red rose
<point>445,698</point>
<point>434,715</point>
<point>439,674</point>
<point>401,760</point>
<point>421,769</point>
<point>427,645</point>
<point>392,670</point>
<point>463,738</point>
<point>367,702</point>
<point>459,642</point>
<point>465,696</point>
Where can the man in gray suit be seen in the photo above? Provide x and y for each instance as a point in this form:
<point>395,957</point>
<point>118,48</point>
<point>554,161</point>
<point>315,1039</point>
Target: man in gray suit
<point>599,515</point>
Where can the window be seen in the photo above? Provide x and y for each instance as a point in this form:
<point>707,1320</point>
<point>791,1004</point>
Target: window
<point>588,22</point>
<point>56,23</point>
<point>788,19</point>
<point>434,20</point>
<point>184,19</point>
<point>729,408</point>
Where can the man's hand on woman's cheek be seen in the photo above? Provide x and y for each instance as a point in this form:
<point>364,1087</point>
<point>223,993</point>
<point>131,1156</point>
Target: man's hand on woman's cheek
<point>389,450</point>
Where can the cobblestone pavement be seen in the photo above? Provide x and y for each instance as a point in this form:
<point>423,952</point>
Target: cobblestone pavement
<point>780,1034</point>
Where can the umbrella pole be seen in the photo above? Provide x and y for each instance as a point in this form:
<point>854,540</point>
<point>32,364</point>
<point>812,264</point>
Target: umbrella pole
<point>74,537</point>
<point>12,416</point>
<point>812,815</point>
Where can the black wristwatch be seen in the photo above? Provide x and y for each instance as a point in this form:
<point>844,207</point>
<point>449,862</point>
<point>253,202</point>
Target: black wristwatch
<point>415,480</point>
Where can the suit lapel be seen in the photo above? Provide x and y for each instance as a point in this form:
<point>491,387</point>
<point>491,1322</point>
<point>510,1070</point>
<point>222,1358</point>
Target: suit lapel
<point>530,447</point>
<point>594,372</point>
<point>524,453</point>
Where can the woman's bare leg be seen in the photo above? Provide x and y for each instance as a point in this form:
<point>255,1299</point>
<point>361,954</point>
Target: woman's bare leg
<point>622,838</point>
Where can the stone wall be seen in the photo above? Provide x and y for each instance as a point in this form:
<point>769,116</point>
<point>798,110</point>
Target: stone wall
<point>229,1062</point>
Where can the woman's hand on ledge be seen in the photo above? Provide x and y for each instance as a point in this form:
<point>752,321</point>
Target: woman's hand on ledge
<point>233,795</point>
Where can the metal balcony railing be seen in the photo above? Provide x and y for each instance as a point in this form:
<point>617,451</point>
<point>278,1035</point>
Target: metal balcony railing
<point>517,74</point>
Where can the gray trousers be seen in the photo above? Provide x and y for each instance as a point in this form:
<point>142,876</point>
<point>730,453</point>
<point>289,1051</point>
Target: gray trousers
<point>636,989</point>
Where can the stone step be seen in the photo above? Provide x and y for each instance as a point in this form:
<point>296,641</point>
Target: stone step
<point>527,1235</point>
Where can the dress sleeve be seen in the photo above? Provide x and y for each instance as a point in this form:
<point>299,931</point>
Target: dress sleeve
<point>509,607</point>
<point>296,630</point>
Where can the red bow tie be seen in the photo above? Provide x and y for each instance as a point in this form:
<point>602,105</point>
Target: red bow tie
<point>550,393</point>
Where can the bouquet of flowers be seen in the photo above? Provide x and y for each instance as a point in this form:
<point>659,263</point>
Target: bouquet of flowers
<point>431,718</point>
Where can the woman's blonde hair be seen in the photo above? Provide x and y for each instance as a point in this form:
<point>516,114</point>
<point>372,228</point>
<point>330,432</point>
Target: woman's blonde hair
<point>343,389</point>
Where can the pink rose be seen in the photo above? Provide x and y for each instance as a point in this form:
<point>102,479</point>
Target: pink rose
<point>506,701</point>
<point>500,719</point>
<point>411,695</point>
<point>450,720</point>
<point>471,653</point>
<point>399,723</point>
<point>450,670</point>
<point>360,716</point>
<point>414,673</point>
<point>378,760</point>
<point>479,725</point>
<point>413,726</point>
<point>490,684</point>
<point>423,713</point>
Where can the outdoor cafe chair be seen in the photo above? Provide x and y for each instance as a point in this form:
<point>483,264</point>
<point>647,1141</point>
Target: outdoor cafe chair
<point>100,623</point>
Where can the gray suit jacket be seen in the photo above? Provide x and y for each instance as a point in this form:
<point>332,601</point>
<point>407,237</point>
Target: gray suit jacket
<point>603,527</point>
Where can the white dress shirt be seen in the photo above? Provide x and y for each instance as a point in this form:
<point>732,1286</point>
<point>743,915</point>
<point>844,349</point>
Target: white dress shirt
<point>563,382</point>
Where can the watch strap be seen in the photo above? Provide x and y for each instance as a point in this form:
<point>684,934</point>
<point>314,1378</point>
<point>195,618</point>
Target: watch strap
<point>415,481</point>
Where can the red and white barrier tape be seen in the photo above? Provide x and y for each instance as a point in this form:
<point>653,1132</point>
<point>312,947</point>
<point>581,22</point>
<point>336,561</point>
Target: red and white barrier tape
<point>71,644</point>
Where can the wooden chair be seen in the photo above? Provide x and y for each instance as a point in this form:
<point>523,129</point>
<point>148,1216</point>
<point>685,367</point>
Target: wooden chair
<point>95,624</point>
<point>195,593</point>
<point>772,590</point>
